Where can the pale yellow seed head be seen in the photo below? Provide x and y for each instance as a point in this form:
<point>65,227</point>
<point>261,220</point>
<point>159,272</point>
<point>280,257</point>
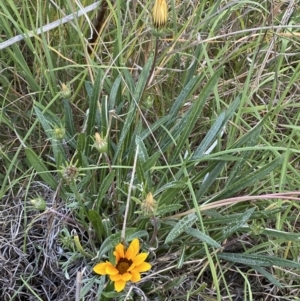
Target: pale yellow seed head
<point>149,205</point>
<point>160,13</point>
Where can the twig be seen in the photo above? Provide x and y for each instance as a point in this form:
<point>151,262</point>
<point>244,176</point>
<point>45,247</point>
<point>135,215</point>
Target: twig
<point>49,26</point>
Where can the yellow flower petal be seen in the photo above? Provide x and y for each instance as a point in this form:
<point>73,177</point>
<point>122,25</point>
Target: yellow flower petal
<point>100,268</point>
<point>119,251</point>
<point>136,276</point>
<point>139,258</point>
<point>119,285</point>
<point>143,267</point>
<point>126,276</point>
<point>133,249</point>
<point>116,277</point>
<point>111,270</point>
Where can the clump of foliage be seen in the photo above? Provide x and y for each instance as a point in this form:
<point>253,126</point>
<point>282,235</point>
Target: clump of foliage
<point>183,136</point>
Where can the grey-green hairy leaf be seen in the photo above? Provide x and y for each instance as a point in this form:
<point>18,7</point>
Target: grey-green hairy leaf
<point>250,260</point>
<point>203,237</point>
<point>237,223</point>
<point>181,226</point>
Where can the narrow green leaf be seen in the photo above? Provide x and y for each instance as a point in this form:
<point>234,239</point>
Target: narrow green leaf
<point>145,133</point>
<point>181,226</point>
<point>210,178</point>
<point>111,241</point>
<point>237,223</point>
<point>151,162</point>
<point>130,117</point>
<point>216,129</point>
<point>203,237</point>
<point>143,153</point>
<point>93,101</point>
<point>281,262</point>
<point>183,129</point>
<point>173,184</point>
<point>181,98</point>
<point>96,222</point>
<point>169,196</point>
<point>105,184</point>
<point>209,137</point>
<point>250,260</point>
<point>69,117</point>
<point>57,148</point>
<point>166,209</point>
<point>269,276</point>
<point>114,92</point>
<point>36,162</point>
<point>248,180</point>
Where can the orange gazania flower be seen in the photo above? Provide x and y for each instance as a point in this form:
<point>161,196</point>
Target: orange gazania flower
<point>129,265</point>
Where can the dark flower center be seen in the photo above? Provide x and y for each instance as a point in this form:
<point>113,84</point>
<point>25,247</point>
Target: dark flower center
<point>123,265</point>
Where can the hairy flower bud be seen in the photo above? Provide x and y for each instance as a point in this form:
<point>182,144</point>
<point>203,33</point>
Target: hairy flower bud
<point>160,13</point>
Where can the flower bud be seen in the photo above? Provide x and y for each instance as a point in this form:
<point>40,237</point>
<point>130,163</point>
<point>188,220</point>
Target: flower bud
<point>38,203</point>
<point>160,13</point>
<point>65,91</point>
<point>100,144</point>
<point>149,205</point>
<point>59,133</point>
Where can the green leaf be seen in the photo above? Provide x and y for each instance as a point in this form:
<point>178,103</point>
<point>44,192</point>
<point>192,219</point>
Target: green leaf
<point>114,92</point>
<point>106,183</point>
<point>247,180</point>
<point>216,129</point>
<point>96,222</point>
<point>281,262</point>
<point>203,237</point>
<point>209,137</point>
<point>269,276</point>
<point>69,118</point>
<point>181,226</point>
<point>149,130</point>
<point>111,241</point>
<point>165,209</point>
<point>173,184</point>
<point>237,223</point>
<point>210,178</point>
<point>184,127</point>
<point>169,195</point>
<point>131,115</point>
<point>93,108</point>
<point>258,260</point>
<point>37,164</point>
<point>181,98</point>
<point>57,148</point>
<point>250,260</point>
<point>143,153</point>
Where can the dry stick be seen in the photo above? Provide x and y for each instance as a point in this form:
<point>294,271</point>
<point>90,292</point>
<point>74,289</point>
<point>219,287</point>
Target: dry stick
<point>234,200</point>
<point>129,196</point>
<point>48,27</point>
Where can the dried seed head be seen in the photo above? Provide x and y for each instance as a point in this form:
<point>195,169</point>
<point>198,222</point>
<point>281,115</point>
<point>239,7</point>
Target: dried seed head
<point>160,13</point>
<point>70,173</point>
